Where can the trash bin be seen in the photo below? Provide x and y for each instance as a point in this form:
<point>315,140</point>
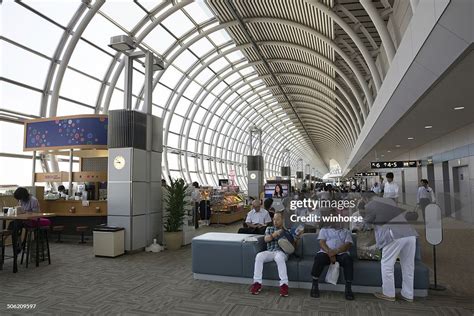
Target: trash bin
<point>109,241</point>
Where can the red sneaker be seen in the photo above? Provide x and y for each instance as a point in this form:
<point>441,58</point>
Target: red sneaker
<point>255,288</point>
<point>284,290</point>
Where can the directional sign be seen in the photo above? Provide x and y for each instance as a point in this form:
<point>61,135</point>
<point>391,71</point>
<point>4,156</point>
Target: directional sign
<point>366,174</point>
<point>394,164</point>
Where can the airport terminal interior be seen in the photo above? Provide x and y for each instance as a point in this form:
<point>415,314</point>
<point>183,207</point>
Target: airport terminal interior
<point>156,155</point>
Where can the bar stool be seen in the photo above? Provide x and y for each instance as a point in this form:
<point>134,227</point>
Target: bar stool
<point>42,240</point>
<point>3,236</point>
<point>58,229</point>
<point>82,230</point>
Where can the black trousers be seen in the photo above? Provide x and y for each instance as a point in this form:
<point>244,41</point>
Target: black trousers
<point>250,230</point>
<point>345,261</point>
<point>423,204</point>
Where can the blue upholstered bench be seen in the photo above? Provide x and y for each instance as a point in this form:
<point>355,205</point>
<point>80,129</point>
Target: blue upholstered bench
<point>230,258</point>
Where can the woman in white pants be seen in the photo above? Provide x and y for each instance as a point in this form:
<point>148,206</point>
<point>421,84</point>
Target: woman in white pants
<point>397,239</point>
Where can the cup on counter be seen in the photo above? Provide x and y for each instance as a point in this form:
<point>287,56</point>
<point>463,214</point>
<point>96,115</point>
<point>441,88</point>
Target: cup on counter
<point>4,210</point>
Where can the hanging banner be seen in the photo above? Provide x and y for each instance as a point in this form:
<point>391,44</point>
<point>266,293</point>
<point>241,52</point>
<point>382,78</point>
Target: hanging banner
<point>78,131</point>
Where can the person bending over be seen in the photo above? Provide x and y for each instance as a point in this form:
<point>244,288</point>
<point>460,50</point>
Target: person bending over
<point>273,253</point>
<point>335,243</point>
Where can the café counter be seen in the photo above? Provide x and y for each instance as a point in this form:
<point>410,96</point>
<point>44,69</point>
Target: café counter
<point>75,208</point>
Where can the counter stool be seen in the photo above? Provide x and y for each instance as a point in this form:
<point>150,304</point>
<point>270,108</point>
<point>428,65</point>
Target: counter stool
<point>42,240</point>
<point>82,230</point>
<point>58,229</point>
<point>3,236</point>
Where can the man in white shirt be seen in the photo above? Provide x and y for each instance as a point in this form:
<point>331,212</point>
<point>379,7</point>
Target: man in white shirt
<point>424,196</point>
<point>257,220</point>
<point>390,189</point>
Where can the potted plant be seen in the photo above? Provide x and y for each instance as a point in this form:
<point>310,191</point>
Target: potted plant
<point>175,213</point>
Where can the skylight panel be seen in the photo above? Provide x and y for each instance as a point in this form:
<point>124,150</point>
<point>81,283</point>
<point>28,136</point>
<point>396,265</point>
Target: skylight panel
<point>204,76</point>
<point>201,47</point>
<point>220,37</point>
<point>185,60</point>
<point>159,39</point>
<point>125,13</point>
<point>199,11</point>
<point>171,77</point>
<point>178,23</point>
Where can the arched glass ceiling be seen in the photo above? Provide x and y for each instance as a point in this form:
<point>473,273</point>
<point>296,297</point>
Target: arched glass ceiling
<point>295,71</point>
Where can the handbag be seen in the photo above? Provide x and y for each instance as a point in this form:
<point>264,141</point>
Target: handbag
<point>286,242</point>
<point>366,246</point>
<point>333,273</point>
<point>412,216</point>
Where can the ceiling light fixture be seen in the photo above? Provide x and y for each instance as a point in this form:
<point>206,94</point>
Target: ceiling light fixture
<point>389,151</point>
<point>411,138</point>
<point>428,126</point>
<point>458,108</point>
<point>398,146</point>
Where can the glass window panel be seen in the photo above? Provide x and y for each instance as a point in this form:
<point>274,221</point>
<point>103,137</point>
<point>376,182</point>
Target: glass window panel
<point>70,108</point>
<point>17,24</point>
<point>172,139</point>
<point>247,71</point>
<point>215,119</point>
<point>157,111</point>
<point>199,117</point>
<point>208,101</point>
<point>102,38</point>
<point>90,60</point>
<point>11,138</point>
<point>178,23</point>
<point>192,164</point>
<point>194,130</point>
<point>59,11</point>
<point>137,81</point>
<point>191,145</point>
<point>175,175</point>
<point>126,13</point>
<point>219,88</point>
<point>204,76</point>
<point>208,136</point>
<point>235,56</point>
<point>232,78</point>
<point>79,87</point>
<point>185,60</point>
<point>219,64</point>
<point>161,94</point>
<point>173,161</point>
<point>160,39</point>
<point>21,68</point>
<point>192,90</point>
<point>220,37</point>
<point>116,102</point>
<point>221,109</point>
<point>15,171</point>
<point>176,123</point>
<point>201,47</point>
<point>182,107</point>
<point>19,99</point>
<point>199,11</point>
<point>171,77</point>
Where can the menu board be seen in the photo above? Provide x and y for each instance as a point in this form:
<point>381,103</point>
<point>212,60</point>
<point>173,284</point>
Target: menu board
<point>78,131</point>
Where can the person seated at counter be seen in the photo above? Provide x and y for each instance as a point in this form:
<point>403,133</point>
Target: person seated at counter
<point>62,191</point>
<point>29,203</point>
<point>257,220</point>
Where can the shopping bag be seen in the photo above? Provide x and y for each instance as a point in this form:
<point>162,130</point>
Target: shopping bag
<point>333,273</point>
<point>412,216</point>
<point>366,246</point>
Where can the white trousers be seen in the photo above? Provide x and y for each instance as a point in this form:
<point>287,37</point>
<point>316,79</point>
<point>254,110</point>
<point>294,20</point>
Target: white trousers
<point>266,256</point>
<point>403,248</point>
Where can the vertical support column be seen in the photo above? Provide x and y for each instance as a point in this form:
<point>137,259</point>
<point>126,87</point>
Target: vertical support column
<point>33,169</point>
<point>71,157</point>
<point>285,169</point>
<point>148,87</point>
<point>128,84</point>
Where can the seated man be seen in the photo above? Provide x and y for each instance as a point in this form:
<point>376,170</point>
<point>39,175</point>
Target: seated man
<point>335,242</point>
<point>256,221</point>
<point>273,253</point>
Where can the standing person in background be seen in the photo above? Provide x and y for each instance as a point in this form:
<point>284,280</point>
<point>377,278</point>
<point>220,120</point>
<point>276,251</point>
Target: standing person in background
<point>196,198</point>
<point>376,188</point>
<point>391,189</point>
<point>424,196</point>
<point>278,193</point>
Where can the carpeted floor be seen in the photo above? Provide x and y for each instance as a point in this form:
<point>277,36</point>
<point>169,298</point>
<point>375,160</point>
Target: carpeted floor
<point>77,283</point>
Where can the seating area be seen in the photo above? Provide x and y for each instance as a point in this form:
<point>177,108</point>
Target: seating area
<point>236,256</point>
